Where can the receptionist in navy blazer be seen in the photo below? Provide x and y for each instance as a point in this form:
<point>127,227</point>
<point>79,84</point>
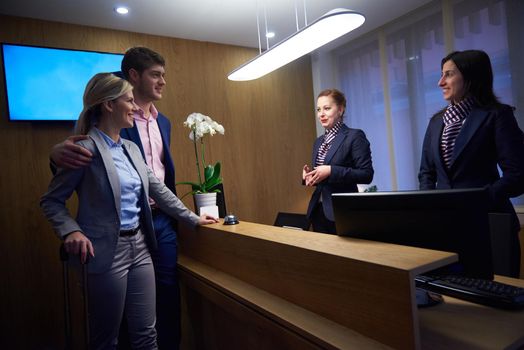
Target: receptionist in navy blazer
<point>467,141</point>
<point>341,159</point>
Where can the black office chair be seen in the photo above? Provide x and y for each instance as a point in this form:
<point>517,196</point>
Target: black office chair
<point>221,201</point>
<point>292,220</point>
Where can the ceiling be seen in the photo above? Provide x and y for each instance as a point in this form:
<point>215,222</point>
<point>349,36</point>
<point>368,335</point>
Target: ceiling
<point>231,22</point>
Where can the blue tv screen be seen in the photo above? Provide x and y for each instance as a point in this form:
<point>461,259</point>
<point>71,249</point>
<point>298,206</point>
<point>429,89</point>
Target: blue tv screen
<point>47,83</point>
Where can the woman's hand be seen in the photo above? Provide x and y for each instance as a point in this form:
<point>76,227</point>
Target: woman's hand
<point>76,243</point>
<point>317,175</point>
<point>207,219</point>
<point>305,170</point>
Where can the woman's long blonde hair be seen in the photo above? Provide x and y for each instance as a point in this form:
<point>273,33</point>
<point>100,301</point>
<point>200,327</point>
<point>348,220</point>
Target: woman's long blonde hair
<point>101,88</point>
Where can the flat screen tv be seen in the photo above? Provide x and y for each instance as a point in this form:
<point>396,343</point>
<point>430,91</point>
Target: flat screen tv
<point>449,220</point>
<point>44,83</point>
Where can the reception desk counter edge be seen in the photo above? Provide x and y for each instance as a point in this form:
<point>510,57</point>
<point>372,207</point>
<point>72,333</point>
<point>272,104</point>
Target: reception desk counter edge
<point>304,288</point>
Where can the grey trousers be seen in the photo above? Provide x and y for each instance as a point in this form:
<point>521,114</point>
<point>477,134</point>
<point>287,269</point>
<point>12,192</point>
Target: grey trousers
<point>128,285</point>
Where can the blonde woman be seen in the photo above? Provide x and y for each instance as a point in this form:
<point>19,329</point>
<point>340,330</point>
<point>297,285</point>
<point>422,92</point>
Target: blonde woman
<point>113,225</point>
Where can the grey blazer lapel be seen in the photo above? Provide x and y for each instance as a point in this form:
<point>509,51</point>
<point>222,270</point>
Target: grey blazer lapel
<point>471,125</point>
<point>109,165</point>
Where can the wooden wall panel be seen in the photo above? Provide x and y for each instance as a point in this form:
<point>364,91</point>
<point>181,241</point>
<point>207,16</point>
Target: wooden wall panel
<point>269,134</point>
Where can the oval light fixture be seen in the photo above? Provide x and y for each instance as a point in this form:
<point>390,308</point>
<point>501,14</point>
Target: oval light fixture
<point>121,10</point>
<point>327,28</point>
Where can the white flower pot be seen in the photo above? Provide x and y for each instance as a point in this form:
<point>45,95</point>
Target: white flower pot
<point>206,203</point>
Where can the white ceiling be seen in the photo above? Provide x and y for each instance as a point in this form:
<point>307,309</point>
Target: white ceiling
<point>221,21</point>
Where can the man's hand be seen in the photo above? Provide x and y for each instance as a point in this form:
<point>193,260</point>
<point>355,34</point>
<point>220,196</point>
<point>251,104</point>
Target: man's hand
<point>69,155</point>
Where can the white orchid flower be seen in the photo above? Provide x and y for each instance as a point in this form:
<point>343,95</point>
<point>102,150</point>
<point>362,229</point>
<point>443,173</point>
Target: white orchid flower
<point>202,125</point>
<point>218,128</point>
<point>191,120</point>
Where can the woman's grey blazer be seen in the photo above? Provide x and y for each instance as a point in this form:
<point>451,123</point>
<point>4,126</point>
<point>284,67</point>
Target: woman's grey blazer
<point>98,189</point>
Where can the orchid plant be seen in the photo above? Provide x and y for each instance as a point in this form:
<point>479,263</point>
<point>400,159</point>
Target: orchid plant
<point>201,125</point>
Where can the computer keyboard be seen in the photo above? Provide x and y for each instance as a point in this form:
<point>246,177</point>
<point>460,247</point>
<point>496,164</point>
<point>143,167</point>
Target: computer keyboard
<point>476,290</point>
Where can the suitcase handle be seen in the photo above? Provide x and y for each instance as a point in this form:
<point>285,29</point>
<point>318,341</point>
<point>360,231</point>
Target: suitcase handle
<point>64,255</point>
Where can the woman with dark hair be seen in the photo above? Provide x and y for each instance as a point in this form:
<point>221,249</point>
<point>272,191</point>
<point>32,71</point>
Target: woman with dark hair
<point>466,141</point>
<point>341,158</point>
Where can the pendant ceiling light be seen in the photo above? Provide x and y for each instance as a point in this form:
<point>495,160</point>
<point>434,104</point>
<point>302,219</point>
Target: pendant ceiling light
<point>329,27</point>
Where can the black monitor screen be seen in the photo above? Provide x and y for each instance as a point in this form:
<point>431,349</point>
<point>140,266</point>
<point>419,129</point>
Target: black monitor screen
<point>448,220</point>
<point>44,83</point>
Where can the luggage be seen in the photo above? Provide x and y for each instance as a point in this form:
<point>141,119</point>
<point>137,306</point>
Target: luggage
<point>68,330</point>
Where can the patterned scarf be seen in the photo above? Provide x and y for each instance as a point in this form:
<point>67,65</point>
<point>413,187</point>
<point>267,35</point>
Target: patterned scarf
<point>453,120</point>
<point>329,136</point>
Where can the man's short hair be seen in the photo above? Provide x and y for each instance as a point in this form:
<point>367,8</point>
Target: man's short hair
<point>140,58</point>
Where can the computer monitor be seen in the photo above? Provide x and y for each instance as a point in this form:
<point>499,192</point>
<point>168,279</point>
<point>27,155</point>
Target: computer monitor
<point>448,220</point>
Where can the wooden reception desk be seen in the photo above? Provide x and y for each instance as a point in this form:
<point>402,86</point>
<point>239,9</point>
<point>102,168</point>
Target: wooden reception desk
<point>252,286</point>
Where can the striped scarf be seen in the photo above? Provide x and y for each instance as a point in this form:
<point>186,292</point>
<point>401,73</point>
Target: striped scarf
<point>329,136</point>
<point>453,120</point>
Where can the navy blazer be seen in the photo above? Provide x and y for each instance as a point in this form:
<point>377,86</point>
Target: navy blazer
<point>489,137</point>
<point>165,130</point>
<point>350,160</point>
